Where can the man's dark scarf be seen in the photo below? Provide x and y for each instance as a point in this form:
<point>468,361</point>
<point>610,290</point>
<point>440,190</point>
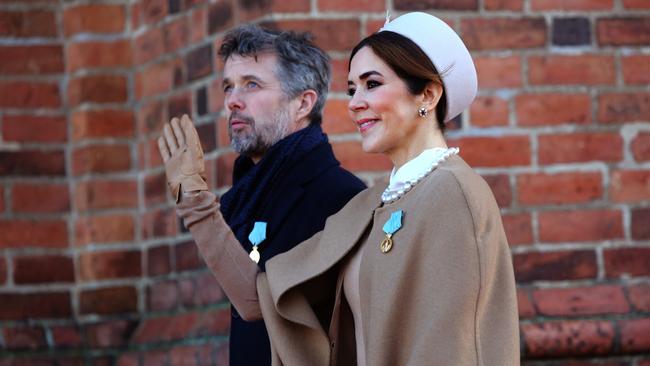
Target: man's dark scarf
<point>252,183</point>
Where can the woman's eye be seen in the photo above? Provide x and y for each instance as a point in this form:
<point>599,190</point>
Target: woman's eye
<point>372,84</point>
<point>252,85</point>
<point>227,88</point>
<point>351,92</point>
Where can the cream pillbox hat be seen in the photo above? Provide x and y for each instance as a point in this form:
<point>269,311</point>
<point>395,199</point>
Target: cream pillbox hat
<point>448,54</point>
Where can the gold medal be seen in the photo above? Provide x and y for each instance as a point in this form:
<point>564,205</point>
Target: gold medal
<point>254,254</point>
<point>386,244</point>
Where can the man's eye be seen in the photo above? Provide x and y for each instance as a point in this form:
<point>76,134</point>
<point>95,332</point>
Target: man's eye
<point>351,92</point>
<point>372,84</point>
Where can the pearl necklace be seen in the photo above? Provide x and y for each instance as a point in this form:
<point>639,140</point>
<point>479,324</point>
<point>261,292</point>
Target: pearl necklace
<point>390,195</point>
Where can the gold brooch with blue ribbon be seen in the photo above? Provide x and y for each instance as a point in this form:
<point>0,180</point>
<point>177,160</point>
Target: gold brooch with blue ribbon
<point>391,226</point>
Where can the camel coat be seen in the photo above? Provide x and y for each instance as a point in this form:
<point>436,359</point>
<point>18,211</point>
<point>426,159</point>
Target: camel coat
<point>444,295</point>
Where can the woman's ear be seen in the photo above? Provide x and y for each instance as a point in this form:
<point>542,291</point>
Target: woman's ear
<point>431,96</point>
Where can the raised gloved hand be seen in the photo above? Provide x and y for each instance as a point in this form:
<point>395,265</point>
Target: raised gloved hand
<point>181,152</point>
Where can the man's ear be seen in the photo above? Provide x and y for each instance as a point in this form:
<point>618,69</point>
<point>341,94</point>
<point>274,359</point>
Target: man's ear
<point>431,96</point>
<point>305,104</point>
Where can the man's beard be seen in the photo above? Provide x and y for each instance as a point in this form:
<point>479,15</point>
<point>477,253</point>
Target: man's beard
<point>259,138</point>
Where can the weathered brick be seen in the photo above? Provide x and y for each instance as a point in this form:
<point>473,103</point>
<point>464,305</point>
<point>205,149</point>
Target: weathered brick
<point>640,219</point>
<point>572,31</point>
<point>28,197</point>
<point>585,69</point>
<point>634,335</point>
<point>630,186</point>
<point>109,334</point>
<point>155,79</point>
<point>500,186</point>
<point>352,157</point>
<point>568,338</point>
<point>580,225</point>
<point>199,25</point>
<point>66,336</point>
<point>329,34</point>
<point>24,338</point>
<point>559,188</point>
<point>191,355</point>
<point>636,4</point>
<point>555,266</point>
<point>155,189</point>
<point>43,269</point>
<point>158,260</point>
<point>582,5</point>
<point>208,136</point>
<point>33,233</point>
<point>32,163</point>
<point>101,159</point>
<point>94,18</point>
<point>31,60</point>
<point>111,300</point>
<point>514,5</point>
<point>102,123</point>
<point>623,31</point>
<point>155,357</point>
<point>154,11</point>
<point>622,262</point>
<point>201,101</point>
<point>220,16</point>
<point>2,199</point>
<point>208,290</point>
<point>148,46</point>
<point>371,5</point>
<point>96,54</point>
<point>593,300</point>
<point>580,147</point>
<point>198,62</point>
<point>176,35</point>
<point>36,23</point>
<point>162,296</point>
<point>151,118</point>
<point>503,33</point>
<point>251,10</point>
<point>159,223</point>
<point>640,297</point>
<point>187,256</point>
<point>489,111</point>
<point>105,228</point>
<point>416,5</point>
<point>636,69</point>
<point>552,108</point>
<point>179,104</point>
<point>504,151</point>
<point>498,71</point>
<point>24,94</point>
<point>53,305</point>
<point>107,88</point>
<point>524,304</point>
<point>623,107</point>
<point>109,264</point>
<point>103,194</point>
<point>3,270</point>
<point>336,118</point>
<point>26,128</point>
<point>518,227</point>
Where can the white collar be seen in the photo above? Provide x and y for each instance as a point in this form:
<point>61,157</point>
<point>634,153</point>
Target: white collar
<point>415,167</point>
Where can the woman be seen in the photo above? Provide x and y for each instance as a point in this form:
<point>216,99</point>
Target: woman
<point>416,273</point>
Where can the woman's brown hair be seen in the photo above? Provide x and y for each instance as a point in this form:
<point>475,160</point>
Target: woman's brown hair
<point>409,62</point>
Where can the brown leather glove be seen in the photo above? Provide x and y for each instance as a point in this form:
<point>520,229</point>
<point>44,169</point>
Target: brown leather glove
<point>181,152</point>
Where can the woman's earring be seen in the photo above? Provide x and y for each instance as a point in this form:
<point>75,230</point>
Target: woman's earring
<point>423,112</point>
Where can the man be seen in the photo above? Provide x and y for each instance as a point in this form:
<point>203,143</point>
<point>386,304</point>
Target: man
<point>286,176</point>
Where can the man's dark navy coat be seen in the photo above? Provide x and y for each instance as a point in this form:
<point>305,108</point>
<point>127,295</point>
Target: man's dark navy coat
<point>312,190</point>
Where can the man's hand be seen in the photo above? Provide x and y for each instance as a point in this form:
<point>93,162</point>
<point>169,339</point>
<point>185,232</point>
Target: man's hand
<point>181,152</point>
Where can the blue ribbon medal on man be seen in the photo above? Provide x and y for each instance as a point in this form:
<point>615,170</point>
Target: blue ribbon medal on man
<point>257,236</point>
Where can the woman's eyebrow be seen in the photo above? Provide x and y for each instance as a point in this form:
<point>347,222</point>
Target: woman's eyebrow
<point>365,75</point>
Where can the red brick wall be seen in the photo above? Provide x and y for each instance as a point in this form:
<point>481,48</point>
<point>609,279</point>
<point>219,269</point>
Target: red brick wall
<point>95,267</point>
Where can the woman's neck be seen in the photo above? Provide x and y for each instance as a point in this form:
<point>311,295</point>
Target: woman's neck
<point>415,146</point>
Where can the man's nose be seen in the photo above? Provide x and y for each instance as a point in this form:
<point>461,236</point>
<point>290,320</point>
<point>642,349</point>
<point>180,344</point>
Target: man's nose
<point>234,100</point>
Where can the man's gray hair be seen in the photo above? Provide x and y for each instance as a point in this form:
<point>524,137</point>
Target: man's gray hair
<point>301,64</point>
